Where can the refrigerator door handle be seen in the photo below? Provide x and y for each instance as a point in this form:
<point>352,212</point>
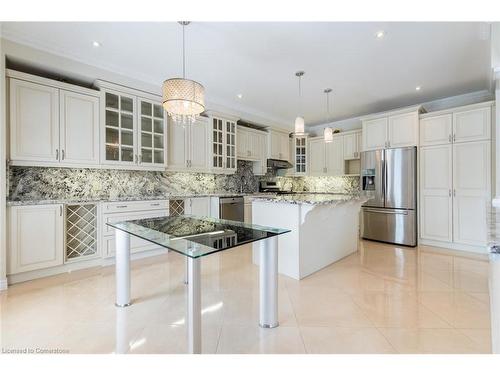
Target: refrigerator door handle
<point>393,212</point>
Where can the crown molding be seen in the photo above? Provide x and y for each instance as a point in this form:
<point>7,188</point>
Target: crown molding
<point>214,103</point>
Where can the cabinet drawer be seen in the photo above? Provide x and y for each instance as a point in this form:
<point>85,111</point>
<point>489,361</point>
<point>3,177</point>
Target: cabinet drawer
<point>136,246</point>
<point>111,207</point>
<point>123,216</point>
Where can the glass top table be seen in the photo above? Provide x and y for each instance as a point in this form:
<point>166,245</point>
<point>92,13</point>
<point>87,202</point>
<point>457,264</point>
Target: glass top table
<point>195,237</point>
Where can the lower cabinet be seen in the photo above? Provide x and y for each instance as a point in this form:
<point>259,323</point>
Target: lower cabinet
<point>120,211</point>
<point>36,237</point>
<point>199,206</point>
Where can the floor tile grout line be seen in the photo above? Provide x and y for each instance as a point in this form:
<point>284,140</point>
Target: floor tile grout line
<point>306,351</point>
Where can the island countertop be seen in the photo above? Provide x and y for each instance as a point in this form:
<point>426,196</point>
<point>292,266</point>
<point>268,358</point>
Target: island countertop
<point>312,198</point>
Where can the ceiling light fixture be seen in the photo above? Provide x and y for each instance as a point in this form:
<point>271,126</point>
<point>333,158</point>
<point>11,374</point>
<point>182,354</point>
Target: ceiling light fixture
<point>183,99</point>
<point>380,34</point>
<point>418,88</point>
<point>328,132</point>
<point>239,96</point>
<point>96,43</point>
<point>299,120</point>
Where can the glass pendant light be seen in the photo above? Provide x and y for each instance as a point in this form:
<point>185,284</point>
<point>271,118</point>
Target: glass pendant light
<point>183,99</point>
<point>299,121</point>
<point>328,132</point>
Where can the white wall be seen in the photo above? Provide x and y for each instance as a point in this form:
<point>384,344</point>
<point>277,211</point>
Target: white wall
<point>3,179</point>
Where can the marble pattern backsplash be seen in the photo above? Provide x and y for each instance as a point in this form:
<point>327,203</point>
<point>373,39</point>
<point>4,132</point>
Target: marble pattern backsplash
<point>323,184</point>
<point>36,183</point>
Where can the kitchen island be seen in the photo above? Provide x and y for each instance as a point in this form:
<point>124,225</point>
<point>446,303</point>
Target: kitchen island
<point>324,229</point>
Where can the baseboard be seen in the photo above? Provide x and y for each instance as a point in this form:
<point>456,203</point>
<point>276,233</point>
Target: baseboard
<point>3,284</point>
<point>454,246</point>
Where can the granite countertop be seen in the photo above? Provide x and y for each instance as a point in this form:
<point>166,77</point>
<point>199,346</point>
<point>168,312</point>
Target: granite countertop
<point>312,198</point>
<point>124,199</point>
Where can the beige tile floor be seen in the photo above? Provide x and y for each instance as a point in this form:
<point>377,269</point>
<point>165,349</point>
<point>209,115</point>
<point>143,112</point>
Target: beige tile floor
<point>383,299</point>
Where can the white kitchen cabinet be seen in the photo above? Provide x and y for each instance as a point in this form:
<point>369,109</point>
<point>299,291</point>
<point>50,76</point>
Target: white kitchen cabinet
<point>250,142</point>
<point>36,237</point>
<point>129,210</point>
<point>79,129</point>
<point>317,157</point>
<point>436,185</point>
<point>471,192</point>
<point>133,126</point>
<point>279,145</point>
<point>326,159</point>
<point>223,140</point>
<point>198,206</point>
<point>299,157</point>
<point>455,194</point>
<point>52,123</point>
<point>402,130</point>
<point>472,125</point>
<point>188,148</point>
<point>34,122</point>
<point>334,157</point>
<point>352,145</point>
<point>151,133</point>
<point>436,130</point>
<point>375,134</point>
<point>391,130</point>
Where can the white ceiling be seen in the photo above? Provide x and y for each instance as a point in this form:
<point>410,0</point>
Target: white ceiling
<point>259,60</point>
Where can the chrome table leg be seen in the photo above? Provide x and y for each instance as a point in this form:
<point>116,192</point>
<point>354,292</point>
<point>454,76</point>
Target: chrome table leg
<point>122,267</point>
<point>194,306</point>
<point>268,282</point>
<point>186,270</point>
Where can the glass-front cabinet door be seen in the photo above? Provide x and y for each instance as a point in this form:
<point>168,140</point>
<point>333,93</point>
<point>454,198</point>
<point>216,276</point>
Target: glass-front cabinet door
<point>300,155</point>
<point>119,121</point>
<point>230,145</point>
<point>151,133</point>
<point>217,143</point>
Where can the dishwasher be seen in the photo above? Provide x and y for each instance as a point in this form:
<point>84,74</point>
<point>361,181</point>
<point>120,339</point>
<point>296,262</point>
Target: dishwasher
<point>231,208</point>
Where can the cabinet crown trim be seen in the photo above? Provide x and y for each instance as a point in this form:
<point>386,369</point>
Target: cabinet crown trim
<point>394,112</point>
<point>489,103</point>
<point>10,73</point>
<point>222,115</point>
<point>103,84</point>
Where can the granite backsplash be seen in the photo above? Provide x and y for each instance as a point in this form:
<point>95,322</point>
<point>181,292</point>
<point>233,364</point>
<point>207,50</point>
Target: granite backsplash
<point>37,183</point>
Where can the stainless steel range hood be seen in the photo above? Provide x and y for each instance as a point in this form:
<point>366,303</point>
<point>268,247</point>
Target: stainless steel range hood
<point>278,164</point>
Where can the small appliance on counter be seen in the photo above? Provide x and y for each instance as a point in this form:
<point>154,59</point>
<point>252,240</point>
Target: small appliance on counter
<point>390,216</point>
<point>271,187</point>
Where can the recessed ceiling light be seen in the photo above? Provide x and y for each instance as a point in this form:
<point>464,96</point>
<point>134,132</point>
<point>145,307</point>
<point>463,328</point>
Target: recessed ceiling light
<point>380,34</point>
<point>239,96</point>
<point>96,44</point>
<point>418,88</point>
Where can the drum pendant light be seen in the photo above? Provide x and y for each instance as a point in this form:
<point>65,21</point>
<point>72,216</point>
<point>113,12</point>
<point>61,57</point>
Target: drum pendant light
<point>183,99</point>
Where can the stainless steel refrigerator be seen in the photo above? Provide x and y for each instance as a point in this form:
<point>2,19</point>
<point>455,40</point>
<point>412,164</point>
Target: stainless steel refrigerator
<point>391,175</point>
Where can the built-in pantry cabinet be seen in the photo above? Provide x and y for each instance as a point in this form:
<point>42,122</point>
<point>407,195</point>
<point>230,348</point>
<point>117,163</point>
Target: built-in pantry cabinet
<point>391,129</point>
<point>326,159</point>
<point>52,123</point>
<point>455,177</point>
<point>133,128</point>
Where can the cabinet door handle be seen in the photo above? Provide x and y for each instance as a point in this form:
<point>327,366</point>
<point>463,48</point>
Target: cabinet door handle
<point>454,193</point>
<point>449,138</point>
<point>60,210</point>
<point>454,137</point>
<point>135,158</point>
<point>57,154</point>
<point>140,158</point>
<point>449,192</point>
<point>62,154</point>
<point>124,206</point>
<point>155,204</point>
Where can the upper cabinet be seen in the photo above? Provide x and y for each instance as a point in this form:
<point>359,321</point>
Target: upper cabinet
<point>52,123</point>
<point>133,128</point>
<point>352,145</point>
<point>326,159</point>
<point>223,140</point>
<point>279,145</point>
<point>189,146</point>
<point>252,146</point>
<point>463,124</point>
<point>391,130</point>
<point>299,156</point>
